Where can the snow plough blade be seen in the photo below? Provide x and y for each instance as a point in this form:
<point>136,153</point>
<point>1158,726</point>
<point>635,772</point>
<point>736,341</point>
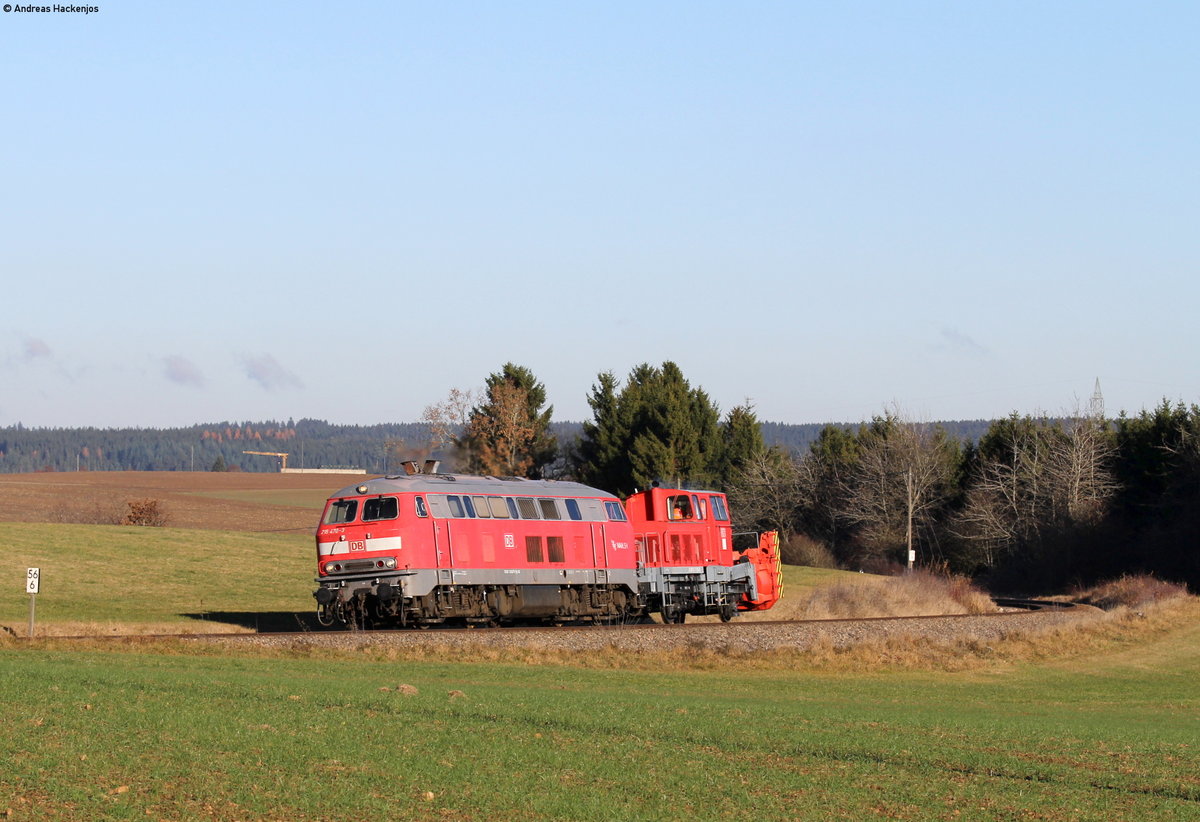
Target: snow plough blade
<point>768,573</point>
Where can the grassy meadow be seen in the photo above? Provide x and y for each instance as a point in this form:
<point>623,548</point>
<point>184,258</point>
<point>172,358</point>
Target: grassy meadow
<point>111,579</point>
<point>1098,722</point>
<point>170,731</point>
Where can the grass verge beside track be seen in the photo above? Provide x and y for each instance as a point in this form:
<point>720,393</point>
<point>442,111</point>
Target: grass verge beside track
<point>115,579</point>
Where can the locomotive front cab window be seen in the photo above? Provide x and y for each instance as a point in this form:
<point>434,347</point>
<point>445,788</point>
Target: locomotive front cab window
<point>549,509</point>
<point>380,508</point>
<point>573,509</point>
<point>344,510</point>
<point>680,507</point>
<point>422,511</point>
<point>528,509</point>
<point>614,510</point>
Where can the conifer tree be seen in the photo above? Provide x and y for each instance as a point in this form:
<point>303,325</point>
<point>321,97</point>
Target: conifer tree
<point>658,428</point>
<point>741,442</point>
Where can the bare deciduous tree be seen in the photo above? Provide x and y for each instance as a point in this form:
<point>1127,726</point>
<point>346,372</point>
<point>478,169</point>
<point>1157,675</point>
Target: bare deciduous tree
<point>1036,478</point>
<point>504,434</point>
<point>447,420</point>
<point>898,484</point>
<point>764,494</point>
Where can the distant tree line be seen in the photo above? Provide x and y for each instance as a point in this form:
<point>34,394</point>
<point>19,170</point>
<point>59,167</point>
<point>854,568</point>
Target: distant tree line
<point>1027,502</point>
<point>308,443</point>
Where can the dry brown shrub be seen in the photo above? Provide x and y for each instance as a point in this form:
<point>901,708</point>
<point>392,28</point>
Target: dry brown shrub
<point>800,549</point>
<point>1132,591</point>
<point>85,510</point>
<point>919,593</point>
<point>146,512</point>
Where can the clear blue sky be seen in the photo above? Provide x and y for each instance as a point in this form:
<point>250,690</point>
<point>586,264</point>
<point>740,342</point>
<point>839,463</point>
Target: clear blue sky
<point>229,211</point>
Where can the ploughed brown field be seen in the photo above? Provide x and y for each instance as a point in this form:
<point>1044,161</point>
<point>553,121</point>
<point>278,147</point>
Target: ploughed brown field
<point>188,499</point>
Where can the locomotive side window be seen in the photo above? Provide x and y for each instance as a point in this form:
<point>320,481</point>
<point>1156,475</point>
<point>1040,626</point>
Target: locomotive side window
<point>422,511</point>
<point>498,508</point>
<point>380,508</point>
<point>528,509</point>
<point>719,510</point>
<point>533,549</point>
<point>573,509</point>
<point>680,507</point>
<point>341,511</point>
<point>614,510</point>
<point>481,507</point>
<point>469,506</point>
<point>549,510</point>
<point>554,547</point>
<point>512,508</point>
<point>456,509</point>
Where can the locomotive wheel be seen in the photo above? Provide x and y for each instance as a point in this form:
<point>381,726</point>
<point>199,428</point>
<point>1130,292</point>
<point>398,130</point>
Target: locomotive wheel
<point>673,615</point>
<point>727,612</point>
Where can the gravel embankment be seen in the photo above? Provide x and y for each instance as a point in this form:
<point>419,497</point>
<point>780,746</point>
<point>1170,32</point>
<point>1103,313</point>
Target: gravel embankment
<point>742,637</point>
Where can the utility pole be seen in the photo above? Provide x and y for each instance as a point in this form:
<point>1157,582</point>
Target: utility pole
<point>908,481</point>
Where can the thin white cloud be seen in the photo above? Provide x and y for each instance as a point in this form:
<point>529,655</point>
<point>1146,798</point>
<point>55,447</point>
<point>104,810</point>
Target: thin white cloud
<point>267,372</point>
<point>182,371</point>
<point>956,342</point>
<point>36,349</point>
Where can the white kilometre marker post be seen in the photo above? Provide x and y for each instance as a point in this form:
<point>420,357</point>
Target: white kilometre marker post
<point>33,578</point>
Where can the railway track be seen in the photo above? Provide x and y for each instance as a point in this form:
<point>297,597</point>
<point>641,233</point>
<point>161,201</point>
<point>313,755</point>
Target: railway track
<point>746,636</point>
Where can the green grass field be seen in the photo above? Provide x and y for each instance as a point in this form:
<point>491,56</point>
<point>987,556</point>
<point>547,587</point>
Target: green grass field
<point>179,735</point>
<point>153,576</point>
<point>1106,729</point>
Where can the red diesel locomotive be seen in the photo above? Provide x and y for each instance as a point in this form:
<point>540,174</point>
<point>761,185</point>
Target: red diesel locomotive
<point>423,548</point>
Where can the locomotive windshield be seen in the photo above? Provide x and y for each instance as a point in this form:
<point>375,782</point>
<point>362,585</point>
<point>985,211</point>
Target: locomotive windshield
<point>380,508</point>
<point>343,510</point>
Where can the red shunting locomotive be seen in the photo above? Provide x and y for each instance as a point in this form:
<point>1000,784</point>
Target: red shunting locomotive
<point>424,548</point>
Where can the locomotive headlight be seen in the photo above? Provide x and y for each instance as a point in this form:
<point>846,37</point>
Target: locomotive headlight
<point>386,562</point>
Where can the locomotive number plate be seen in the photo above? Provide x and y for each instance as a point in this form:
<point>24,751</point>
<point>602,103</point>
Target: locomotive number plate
<point>358,545</point>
